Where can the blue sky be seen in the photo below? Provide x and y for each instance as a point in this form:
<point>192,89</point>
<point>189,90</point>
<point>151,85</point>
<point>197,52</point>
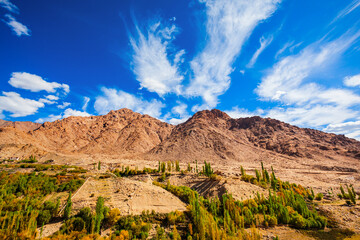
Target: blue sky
<point>296,61</point>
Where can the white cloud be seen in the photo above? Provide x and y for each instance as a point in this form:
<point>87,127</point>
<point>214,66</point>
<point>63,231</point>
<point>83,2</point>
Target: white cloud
<point>352,81</point>
<point>180,109</point>
<point>35,83</point>
<point>19,107</point>
<point>152,63</point>
<point>179,114</point>
<point>229,24</point>
<point>285,81</point>
<point>306,103</point>
<point>314,116</point>
<point>112,99</point>
<point>17,27</point>
<point>49,99</point>
<point>237,112</point>
<point>86,102</point>
<point>264,42</point>
<point>64,105</point>
<point>9,6</point>
<point>350,8</point>
<point>67,113</point>
<point>45,100</point>
<point>71,112</point>
<point>350,129</point>
<point>50,118</point>
<point>52,97</point>
<point>176,121</point>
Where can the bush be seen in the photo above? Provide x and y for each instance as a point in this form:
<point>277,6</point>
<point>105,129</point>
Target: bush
<point>319,196</point>
<point>113,217</point>
<point>44,217</point>
<point>298,221</point>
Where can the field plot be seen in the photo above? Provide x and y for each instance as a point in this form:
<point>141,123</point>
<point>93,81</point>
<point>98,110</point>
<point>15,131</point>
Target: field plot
<point>129,196</point>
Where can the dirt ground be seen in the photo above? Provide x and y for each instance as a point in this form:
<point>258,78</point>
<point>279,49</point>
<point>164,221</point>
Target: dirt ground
<point>134,194</point>
<point>129,196</point>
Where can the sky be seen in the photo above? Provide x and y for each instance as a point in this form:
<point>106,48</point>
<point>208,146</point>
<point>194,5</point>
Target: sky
<point>296,61</point>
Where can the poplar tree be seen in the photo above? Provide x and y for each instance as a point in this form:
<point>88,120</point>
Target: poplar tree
<point>99,213</point>
<point>67,210</point>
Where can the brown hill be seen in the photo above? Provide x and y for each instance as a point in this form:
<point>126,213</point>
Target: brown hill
<point>214,135</point>
<point>23,126</point>
<point>208,135</point>
<point>119,132</point>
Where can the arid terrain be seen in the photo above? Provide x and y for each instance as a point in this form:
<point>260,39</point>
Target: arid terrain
<point>306,156</point>
<point>123,138</point>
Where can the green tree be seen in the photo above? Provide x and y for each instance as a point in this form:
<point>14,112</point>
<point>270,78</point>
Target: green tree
<point>163,167</point>
<point>189,167</point>
<point>177,166</point>
<point>99,214</point>
<point>67,210</point>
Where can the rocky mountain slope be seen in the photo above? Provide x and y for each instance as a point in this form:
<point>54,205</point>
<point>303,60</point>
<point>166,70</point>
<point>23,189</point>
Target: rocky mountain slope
<point>214,133</point>
<point>23,126</point>
<point>208,135</point>
<point>118,132</point>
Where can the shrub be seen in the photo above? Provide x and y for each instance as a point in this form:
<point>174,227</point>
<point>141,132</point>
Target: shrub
<point>319,196</point>
<point>44,217</point>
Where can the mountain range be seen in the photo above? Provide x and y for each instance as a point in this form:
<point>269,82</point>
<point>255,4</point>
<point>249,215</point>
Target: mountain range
<point>207,135</point>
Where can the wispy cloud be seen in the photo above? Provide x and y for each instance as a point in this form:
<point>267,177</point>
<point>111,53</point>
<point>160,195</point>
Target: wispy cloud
<point>50,118</point>
<point>35,83</point>
<point>264,42</point>
<point>18,106</point>
<point>85,103</point>
<point>155,63</point>
<point>287,47</point>
<point>179,114</point>
<point>64,105</point>
<point>112,99</point>
<point>229,24</point>
<point>352,81</point>
<point>284,82</point>
<point>237,112</point>
<point>312,115</point>
<point>350,8</point>
<point>308,103</point>
<point>9,6</point>
<point>17,27</point>
<point>350,129</point>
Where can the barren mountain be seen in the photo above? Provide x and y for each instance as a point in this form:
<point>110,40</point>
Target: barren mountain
<point>23,126</point>
<point>208,135</point>
<point>213,134</point>
<point>119,132</point>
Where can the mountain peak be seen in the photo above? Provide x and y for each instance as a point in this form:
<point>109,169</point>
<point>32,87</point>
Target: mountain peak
<point>211,115</point>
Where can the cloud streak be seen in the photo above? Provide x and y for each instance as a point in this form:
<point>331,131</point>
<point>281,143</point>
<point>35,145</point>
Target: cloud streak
<point>284,82</point>
<point>264,42</point>
<point>9,6</point>
<point>307,103</point>
<point>18,28</point>
<point>229,24</point>
<point>350,129</point>
<point>350,8</point>
<point>155,64</point>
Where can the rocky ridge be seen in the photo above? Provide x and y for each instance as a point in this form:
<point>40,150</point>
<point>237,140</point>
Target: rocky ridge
<point>207,135</point>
